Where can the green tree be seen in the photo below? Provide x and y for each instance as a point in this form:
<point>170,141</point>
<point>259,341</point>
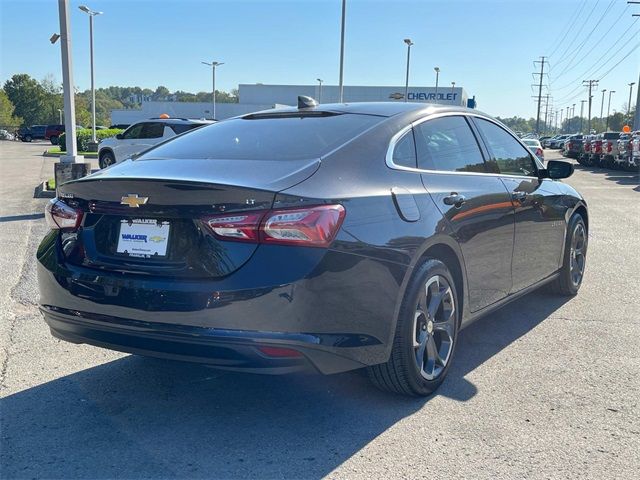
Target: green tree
<point>26,95</point>
<point>51,100</point>
<point>7,119</point>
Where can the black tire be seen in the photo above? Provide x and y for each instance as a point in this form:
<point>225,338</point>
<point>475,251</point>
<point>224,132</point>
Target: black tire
<point>575,256</point>
<point>106,159</point>
<point>53,140</point>
<point>415,328</point>
<point>27,138</point>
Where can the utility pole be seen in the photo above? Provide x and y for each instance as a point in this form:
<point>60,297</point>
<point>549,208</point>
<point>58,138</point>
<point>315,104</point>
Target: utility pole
<point>590,84</point>
<point>606,128</point>
<point>628,104</point>
<point>573,115</point>
<point>561,112</point>
<point>582,102</point>
<point>602,105</point>
<point>341,86</point>
<point>636,117</point>
<point>546,111</point>
<point>542,60</point>
<point>555,117</point>
<point>567,120</point>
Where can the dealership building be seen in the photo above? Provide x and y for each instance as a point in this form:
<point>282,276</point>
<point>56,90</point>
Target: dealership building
<point>255,97</point>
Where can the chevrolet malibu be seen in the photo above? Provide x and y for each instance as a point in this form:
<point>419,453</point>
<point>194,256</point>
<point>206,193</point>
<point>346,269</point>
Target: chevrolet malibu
<point>329,238</point>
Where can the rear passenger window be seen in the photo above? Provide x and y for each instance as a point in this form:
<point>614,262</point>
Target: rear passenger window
<point>179,128</point>
<point>152,130</point>
<point>507,153</point>
<point>404,153</point>
<point>448,144</point>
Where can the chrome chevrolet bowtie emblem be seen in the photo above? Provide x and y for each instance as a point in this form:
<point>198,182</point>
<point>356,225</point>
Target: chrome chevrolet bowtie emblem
<point>133,200</point>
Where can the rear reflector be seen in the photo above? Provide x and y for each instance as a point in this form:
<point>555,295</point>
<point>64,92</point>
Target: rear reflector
<point>60,216</point>
<point>280,352</point>
<point>315,226</point>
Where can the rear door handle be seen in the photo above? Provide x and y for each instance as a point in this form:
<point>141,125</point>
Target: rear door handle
<point>454,199</point>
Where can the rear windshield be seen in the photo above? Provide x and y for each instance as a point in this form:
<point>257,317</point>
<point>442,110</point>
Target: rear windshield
<point>610,135</point>
<point>267,137</point>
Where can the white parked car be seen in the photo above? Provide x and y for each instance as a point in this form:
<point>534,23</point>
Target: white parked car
<point>534,145</point>
<point>141,136</point>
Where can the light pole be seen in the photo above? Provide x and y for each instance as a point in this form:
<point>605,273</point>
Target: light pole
<point>602,104</point>
<point>406,84</point>
<point>629,104</point>
<point>341,87</point>
<point>319,90</point>
<point>60,113</point>
<point>606,128</point>
<point>213,66</point>
<point>582,102</point>
<point>91,14</point>
<point>437,70</point>
<point>453,86</point>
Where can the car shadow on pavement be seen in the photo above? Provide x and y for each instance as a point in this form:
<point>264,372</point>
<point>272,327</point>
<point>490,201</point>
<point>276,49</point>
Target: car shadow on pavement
<point>140,418</point>
<point>621,177</point>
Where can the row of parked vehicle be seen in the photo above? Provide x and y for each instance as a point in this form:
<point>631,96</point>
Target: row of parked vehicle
<point>608,150</point>
<point>45,132</point>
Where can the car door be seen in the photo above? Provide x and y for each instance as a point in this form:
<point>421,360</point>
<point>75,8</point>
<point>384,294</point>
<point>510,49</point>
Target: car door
<point>475,203</point>
<point>539,206</point>
<point>125,146</point>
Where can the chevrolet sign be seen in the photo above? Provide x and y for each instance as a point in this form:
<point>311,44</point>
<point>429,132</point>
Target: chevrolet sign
<point>396,96</point>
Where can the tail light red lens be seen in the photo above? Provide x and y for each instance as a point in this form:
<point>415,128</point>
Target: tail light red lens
<point>609,146</point>
<point>314,227</point>
<point>309,227</point>
<point>238,227</point>
<point>60,216</point>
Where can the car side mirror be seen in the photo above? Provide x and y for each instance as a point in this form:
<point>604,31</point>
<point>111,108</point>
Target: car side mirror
<point>556,169</point>
<point>119,136</point>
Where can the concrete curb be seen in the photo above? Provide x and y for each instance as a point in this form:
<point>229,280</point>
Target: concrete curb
<point>41,191</point>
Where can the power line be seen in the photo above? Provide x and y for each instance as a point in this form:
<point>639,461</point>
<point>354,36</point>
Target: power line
<point>597,62</point>
<point>575,16</point>
<point>596,43</point>
<point>621,60</point>
<point>584,24</point>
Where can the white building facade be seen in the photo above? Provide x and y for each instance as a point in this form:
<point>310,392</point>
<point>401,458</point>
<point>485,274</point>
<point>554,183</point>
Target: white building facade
<point>256,97</point>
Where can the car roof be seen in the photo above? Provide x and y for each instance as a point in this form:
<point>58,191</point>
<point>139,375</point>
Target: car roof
<point>170,121</point>
<point>382,109</point>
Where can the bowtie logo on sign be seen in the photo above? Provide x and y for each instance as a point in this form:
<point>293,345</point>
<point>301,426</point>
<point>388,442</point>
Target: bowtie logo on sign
<point>396,96</point>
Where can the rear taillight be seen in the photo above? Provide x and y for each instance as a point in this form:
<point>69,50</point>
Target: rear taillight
<point>239,227</point>
<point>609,146</point>
<point>309,227</point>
<point>569,146</point>
<point>60,216</point>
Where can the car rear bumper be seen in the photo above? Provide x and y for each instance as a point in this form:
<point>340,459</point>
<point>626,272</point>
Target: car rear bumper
<point>337,318</point>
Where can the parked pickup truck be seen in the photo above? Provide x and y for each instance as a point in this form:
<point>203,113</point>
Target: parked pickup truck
<point>573,146</point>
<point>587,150</point>
<point>625,147</point>
<point>609,149</point>
<point>34,132</point>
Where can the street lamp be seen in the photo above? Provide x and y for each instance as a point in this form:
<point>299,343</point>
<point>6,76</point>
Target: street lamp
<point>213,66</point>
<point>453,86</point>
<point>341,86</point>
<point>606,128</point>
<point>60,113</point>
<point>406,84</point>
<point>319,90</point>
<point>602,104</point>
<point>437,69</point>
<point>91,14</point>
<point>629,104</point>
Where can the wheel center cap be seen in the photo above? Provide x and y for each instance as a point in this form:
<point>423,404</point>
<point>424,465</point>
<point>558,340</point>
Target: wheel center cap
<point>430,326</point>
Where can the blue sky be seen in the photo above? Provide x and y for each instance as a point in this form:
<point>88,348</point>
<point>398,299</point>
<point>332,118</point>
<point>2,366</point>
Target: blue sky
<point>485,46</point>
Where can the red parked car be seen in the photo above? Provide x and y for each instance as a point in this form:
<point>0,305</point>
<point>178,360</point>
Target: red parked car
<point>53,132</point>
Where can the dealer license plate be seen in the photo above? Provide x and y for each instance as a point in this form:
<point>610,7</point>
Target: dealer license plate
<point>143,238</point>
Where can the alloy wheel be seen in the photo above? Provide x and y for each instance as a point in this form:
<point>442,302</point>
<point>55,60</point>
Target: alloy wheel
<point>434,327</point>
<point>577,254</point>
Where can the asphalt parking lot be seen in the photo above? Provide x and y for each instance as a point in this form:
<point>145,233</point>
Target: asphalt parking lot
<point>546,388</point>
